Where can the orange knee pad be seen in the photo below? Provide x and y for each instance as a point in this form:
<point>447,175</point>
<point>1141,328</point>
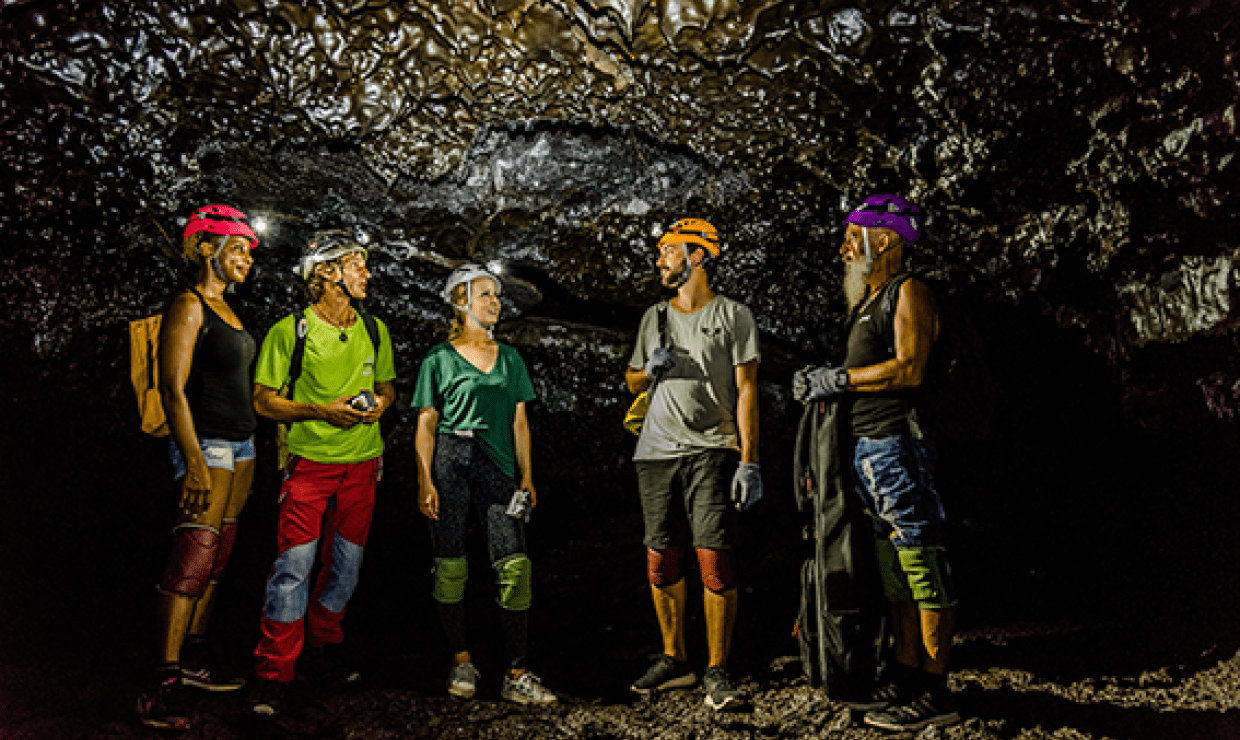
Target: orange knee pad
<point>663,566</point>
<point>718,571</point>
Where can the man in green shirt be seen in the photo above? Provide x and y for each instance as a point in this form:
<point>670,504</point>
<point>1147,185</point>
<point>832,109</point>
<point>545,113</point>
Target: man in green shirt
<point>338,362</point>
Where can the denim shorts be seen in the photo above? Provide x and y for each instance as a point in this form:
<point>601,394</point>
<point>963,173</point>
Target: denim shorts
<point>220,453</point>
<point>895,478</point>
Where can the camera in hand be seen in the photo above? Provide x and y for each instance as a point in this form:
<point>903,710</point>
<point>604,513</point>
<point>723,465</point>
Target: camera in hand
<point>521,505</point>
<point>364,401</point>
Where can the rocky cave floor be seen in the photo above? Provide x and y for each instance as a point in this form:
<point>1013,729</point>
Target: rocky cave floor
<point>1024,680</point>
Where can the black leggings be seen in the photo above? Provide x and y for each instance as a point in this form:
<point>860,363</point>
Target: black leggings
<point>465,477</point>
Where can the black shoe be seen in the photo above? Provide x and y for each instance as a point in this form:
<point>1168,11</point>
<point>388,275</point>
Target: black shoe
<point>720,693</point>
<point>201,678</point>
<point>162,706</point>
<point>327,666</point>
<point>666,673</point>
<point>884,695</point>
<point>266,696</point>
<point>926,709</point>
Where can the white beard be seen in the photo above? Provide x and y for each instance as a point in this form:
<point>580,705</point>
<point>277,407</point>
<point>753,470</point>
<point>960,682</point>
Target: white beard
<point>855,274</point>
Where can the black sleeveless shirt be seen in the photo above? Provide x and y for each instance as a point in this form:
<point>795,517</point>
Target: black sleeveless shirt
<point>221,386</point>
<point>876,414</point>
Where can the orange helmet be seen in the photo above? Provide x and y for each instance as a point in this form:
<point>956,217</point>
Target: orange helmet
<point>692,231</point>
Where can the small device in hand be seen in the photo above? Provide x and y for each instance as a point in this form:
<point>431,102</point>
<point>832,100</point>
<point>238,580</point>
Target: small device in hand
<point>364,401</point>
<point>520,506</point>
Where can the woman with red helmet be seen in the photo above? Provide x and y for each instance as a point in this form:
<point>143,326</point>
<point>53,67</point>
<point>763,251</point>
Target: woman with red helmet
<point>206,362</point>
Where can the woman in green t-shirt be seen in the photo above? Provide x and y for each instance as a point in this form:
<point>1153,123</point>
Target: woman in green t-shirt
<point>473,450</point>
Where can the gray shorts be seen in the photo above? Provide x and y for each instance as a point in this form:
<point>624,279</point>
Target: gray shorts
<point>688,498</point>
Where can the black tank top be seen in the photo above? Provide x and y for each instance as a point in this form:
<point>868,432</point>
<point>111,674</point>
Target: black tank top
<point>220,386</point>
<point>876,414</point>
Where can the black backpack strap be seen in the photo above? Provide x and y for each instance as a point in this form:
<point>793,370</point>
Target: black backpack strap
<point>372,328</point>
<point>664,339</point>
<point>885,318</point>
<point>301,328</point>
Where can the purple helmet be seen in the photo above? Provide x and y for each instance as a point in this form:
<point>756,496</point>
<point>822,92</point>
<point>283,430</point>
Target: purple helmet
<point>889,212</point>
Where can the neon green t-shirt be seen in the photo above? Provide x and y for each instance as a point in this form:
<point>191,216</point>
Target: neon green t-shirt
<point>470,400</point>
<point>330,369</point>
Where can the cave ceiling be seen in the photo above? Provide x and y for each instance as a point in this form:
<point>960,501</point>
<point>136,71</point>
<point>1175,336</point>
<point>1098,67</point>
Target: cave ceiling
<point>1076,158</point>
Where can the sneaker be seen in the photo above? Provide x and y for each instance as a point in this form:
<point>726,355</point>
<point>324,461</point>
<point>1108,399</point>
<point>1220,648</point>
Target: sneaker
<point>884,695</point>
<point>201,678</point>
<point>326,665</point>
<point>463,680</point>
<point>265,697</point>
<point>163,706</point>
<point>666,673</point>
<point>720,693</point>
<point>526,689</point>
<point>922,711</point>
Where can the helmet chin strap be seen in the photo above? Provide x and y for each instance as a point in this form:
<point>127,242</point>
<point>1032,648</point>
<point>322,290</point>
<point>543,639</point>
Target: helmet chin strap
<point>229,284</point>
<point>469,300</point>
<point>865,237</point>
<point>688,271</point>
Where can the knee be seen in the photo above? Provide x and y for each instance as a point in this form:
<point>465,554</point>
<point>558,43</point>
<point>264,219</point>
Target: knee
<point>929,577</point>
<point>194,547</point>
<point>663,566</point>
<point>718,570</point>
<point>515,580</point>
<point>228,538</point>
<point>450,577</point>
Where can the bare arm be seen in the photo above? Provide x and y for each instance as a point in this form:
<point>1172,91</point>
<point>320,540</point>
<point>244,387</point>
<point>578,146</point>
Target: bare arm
<point>521,440</point>
<point>424,452</point>
<point>916,327</point>
<point>177,336</point>
<point>269,403</point>
<point>747,409</point>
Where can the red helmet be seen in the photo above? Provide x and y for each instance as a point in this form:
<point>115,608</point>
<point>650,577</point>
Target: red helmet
<point>220,219</point>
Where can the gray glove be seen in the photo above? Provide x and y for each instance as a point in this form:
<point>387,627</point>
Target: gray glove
<point>811,384</point>
<point>746,486</point>
<point>660,361</point>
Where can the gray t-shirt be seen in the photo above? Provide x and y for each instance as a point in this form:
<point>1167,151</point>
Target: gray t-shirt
<point>694,405</point>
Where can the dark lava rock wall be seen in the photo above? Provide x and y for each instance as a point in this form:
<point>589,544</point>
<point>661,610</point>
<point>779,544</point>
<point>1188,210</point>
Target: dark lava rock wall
<point>1075,158</point>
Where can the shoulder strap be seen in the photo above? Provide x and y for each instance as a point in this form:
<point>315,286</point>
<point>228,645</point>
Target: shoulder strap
<point>302,327</point>
<point>205,308</point>
<point>885,317</point>
<point>664,339</point>
<point>372,328</point>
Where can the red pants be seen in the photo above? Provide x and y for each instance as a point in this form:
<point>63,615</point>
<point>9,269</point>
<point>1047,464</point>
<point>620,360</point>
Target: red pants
<point>328,504</point>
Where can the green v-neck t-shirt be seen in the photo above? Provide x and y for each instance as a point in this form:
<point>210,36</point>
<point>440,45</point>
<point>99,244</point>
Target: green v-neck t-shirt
<point>329,369</point>
<point>471,401</point>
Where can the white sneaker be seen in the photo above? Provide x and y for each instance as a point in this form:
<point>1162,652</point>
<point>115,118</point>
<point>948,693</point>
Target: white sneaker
<point>526,689</point>
<point>463,680</point>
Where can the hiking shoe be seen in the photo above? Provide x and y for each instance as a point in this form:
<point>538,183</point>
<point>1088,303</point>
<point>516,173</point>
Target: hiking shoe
<point>526,689</point>
<point>266,697</point>
<point>201,678</point>
<point>924,710</point>
<point>666,673</point>
<point>463,680</point>
<point>326,665</point>
<point>720,693</point>
<point>163,706</point>
<point>884,695</point>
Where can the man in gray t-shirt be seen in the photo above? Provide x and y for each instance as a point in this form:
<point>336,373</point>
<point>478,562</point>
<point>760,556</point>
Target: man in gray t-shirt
<point>697,455</point>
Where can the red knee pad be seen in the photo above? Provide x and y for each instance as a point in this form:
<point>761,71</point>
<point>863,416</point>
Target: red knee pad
<point>718,572</point>
<point>663,566</point>
<point>228,538</point>
<point>193,556</point>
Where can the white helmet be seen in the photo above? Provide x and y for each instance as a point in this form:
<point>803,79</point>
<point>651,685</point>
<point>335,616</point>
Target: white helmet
<point>328,246</point>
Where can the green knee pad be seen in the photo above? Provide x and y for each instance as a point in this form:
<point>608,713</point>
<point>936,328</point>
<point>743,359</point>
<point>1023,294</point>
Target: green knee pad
<point>450,575</point>
<point>515,575</point>
<point>895,583</point>
<point>929,577</point>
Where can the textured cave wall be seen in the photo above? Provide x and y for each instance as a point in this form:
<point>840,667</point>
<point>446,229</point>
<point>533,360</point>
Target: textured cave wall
<point>1075,157</point>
